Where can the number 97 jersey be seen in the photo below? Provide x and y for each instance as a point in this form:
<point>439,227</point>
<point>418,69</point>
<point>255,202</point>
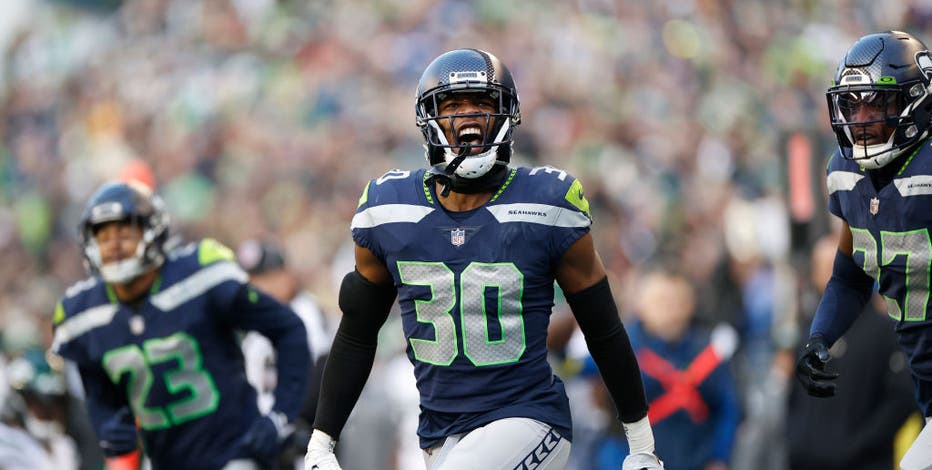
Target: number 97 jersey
<point>476,292</point>
<point>892,244</point>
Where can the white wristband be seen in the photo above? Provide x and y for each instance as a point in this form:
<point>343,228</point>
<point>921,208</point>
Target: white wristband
<point>321,441</point>
<point>640,436</point>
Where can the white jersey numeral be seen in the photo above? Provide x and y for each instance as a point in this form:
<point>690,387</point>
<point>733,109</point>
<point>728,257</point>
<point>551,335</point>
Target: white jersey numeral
<point>561,175</point>
<point>393,175</point>
<point>477,343</point>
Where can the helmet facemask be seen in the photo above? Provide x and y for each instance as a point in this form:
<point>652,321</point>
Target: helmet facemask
<point>468,149</point>
<point>124,270</point>
<point>479,140</point>
<point>879,102</point>
<point>148,216</point>
<point>877,124</point>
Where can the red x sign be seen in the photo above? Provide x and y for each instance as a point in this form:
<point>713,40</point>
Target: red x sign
<point>679,385</point>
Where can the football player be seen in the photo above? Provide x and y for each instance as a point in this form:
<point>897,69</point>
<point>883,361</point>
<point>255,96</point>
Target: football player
<point>471,248</point>
<point>154,335</point>
<point>880,185</point>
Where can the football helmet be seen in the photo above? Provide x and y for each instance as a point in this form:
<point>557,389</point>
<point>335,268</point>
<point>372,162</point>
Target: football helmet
<point>132,203</point>
<point>879,100</point>
<point>40,400</point>
<point>467,71</point>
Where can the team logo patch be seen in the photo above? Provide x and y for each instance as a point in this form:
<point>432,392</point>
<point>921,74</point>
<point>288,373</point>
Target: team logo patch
<point>875,206</point>
<point>457,236</point>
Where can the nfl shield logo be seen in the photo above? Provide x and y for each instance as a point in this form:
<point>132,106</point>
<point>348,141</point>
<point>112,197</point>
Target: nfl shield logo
<point>457,236</point>
<point>875,206</point>
<point>137,325</point>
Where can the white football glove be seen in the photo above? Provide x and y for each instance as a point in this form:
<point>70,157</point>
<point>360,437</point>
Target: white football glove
<point>320,454</point>
<point>642,461</point>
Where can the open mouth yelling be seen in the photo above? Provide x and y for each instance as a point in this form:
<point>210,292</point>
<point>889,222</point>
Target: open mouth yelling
<point>470,135</point>
<point>866,136</point>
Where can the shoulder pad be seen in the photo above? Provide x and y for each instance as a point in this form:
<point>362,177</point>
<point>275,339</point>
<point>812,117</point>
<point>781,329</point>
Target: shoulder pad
<point>918,162</point>
<point>842,174</point>
<point>394,187</point>
<point>577,198</point>
<point>837,162</point>
<point>90,305</point>
<point>81,286</point>
<point>210,251</point>
<point>59,314</point>
<point>81,295</point>
<point>556,186</point>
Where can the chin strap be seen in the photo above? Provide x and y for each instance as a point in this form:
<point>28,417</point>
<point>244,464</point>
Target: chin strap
<point>445,176</point>
<point>438,176</point>
<point>450,181</point>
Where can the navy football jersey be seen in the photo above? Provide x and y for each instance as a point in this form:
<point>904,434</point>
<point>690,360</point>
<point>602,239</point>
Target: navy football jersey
<point>892,244</point>
<point>170,364</point>
<point>476,291</point>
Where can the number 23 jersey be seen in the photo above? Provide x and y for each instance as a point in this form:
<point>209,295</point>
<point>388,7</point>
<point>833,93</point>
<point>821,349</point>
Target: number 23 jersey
<point>476,291</point>
<point>171,363</point>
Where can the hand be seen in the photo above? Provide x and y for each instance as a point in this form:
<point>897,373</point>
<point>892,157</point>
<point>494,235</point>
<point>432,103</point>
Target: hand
<point>264,438</point>
<point>320,454</point>
<point>642,461</point>
<point>810,369</point>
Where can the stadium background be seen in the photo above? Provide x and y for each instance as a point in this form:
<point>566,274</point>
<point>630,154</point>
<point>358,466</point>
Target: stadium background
<point>698,128</point>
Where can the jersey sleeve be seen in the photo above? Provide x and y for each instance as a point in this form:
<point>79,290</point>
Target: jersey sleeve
<point>75,315</point>
<point>110,415</point>
<point>396,196</point>
<point>239,305</point>
<point>573,219</point>
<point>222,278</point>
<point>576,204</point>
<point>836,179</point>
<point>62,342</point>
<point>362,225</point>
<point>251,309</point>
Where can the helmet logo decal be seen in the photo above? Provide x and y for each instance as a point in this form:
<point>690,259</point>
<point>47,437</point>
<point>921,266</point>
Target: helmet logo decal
<point>468,76</point>
<point>107,211</point>
<point>924,61</point>
<point>853,79</point>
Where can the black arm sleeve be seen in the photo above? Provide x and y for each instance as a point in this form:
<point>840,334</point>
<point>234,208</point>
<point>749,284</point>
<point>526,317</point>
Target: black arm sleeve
<point>365,308</point>
<point>597,315</point>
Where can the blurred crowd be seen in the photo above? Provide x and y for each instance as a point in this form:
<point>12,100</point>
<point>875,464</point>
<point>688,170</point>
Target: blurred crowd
<point>698,128</point>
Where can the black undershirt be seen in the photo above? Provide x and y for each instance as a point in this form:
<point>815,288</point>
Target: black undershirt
<point>882,176</point>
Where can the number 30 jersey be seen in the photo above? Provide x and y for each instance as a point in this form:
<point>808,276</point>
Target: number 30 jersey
<point>892,244</point>
<point>476,291</point>
<point>171,364</point>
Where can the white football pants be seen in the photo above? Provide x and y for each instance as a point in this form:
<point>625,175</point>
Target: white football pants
<point>506,444</point>
<point>241,464</point>
<point>919,455</point>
